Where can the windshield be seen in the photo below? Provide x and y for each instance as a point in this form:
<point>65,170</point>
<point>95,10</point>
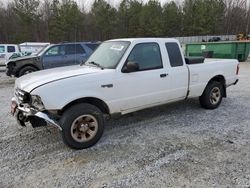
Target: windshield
<point>108,54</point>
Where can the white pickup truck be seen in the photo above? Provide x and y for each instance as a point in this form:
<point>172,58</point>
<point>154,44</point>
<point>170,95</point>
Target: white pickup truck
<point>121,76</point>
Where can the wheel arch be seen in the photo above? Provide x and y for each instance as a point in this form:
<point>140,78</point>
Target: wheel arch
<point>11,62</point>
<point>90,100</point>
<point>27,65</point>
<point>219,78</point>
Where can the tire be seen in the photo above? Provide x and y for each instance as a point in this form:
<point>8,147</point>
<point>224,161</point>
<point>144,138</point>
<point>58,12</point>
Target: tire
<point>26,70</point>
<point>212,95</point>
<point>82,126</point>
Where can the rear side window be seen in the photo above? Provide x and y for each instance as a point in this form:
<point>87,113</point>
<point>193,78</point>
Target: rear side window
<point>74,49</point>
<point>92,46</point>
<point>11,49</point>
<point>2,49</point>
<point>147,56</point>
<point>174,54</point>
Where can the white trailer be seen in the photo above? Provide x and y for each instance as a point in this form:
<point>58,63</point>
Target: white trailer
<point>33,47</point>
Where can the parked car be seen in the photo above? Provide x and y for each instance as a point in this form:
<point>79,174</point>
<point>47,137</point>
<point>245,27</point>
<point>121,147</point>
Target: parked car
<point>121,76</point>
<point>57,55</point>
<point>7,50</point>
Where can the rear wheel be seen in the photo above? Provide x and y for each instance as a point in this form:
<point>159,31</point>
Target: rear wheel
<point>82,126</point>
<point>212,96</point>
<point>26,70</point>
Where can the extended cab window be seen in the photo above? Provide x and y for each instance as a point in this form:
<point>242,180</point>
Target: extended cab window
<point>11,49</point>
<point>174,54</point>
<point>147,56</point>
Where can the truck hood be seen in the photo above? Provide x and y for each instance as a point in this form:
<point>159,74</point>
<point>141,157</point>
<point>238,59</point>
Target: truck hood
<point>33,80</point>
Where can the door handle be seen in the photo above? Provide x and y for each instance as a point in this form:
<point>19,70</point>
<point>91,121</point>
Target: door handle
<point>107,86</point>
<point>163,75</point>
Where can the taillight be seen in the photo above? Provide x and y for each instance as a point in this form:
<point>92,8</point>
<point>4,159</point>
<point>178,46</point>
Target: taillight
<point>238,69</point>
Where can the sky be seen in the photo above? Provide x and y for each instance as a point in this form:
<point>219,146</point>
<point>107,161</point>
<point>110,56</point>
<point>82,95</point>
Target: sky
<point>87,3</point>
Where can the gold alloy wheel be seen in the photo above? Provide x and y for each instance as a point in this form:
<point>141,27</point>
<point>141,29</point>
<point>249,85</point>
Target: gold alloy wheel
<point>84,128</point>
<point>215,95</point>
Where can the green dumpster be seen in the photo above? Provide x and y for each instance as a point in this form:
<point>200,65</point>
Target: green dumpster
<point>225,50</point>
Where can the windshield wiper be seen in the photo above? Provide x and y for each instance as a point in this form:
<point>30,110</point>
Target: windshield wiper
<point>94,63</point>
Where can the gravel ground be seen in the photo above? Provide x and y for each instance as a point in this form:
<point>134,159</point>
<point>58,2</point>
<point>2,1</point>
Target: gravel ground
<point>176,145</point>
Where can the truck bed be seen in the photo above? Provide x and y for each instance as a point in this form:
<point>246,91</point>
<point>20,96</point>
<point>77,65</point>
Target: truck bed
<point>201,73</point>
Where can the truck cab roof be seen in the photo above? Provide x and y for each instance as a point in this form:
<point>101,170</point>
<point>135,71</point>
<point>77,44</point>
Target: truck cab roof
<point>145,40</point>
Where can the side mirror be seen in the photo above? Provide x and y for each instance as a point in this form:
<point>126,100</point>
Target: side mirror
<point>130,66</point>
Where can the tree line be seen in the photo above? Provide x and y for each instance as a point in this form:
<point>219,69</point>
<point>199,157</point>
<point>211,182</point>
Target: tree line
<point>57,21</point>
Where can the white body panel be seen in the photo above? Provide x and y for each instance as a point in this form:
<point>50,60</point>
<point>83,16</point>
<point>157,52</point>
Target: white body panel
<point>5,53</point>
<point>200,74</point>
<point>131,91</point>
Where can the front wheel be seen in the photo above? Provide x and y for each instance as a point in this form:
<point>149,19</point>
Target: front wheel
<point>212,96</point>
<point>82,126</point>
<point>26,70</point>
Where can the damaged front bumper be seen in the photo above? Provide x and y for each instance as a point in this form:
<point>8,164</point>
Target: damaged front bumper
<point>25,113</point>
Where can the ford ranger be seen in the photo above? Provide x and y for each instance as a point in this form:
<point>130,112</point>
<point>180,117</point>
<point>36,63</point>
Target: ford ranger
<point>121,76</point>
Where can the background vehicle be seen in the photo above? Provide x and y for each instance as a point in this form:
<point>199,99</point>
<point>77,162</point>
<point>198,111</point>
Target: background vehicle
<point>33,47</point>
<point>57,55</point>
<point>121,76</point>
<point>7,50</point>
<point>214,39</point>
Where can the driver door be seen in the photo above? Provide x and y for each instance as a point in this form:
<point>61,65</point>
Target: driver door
<point>147,86</point>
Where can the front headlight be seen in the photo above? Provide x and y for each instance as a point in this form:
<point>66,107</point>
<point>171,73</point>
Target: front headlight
<point>22,96</point>
<point>36,102</point>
